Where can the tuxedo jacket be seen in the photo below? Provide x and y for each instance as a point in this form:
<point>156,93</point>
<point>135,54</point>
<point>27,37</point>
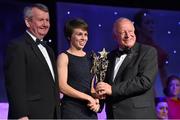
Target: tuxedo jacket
<point>132,89</point>
<point>31,89</point>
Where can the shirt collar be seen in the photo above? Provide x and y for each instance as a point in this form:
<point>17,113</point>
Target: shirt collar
<point>33,37</point>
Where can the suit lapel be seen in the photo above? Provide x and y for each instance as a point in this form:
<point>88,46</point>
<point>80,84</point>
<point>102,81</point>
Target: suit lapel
<point>36,50</point>
<point>127,61</point>
<point>124,65</point>
<point>111,66</point>
<point>52,58</point>
<point>39,54</point>
<point>112,70</point>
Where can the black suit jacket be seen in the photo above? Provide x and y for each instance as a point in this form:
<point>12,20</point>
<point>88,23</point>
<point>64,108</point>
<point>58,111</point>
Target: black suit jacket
<point>132,89</point>
<point>31,89</point>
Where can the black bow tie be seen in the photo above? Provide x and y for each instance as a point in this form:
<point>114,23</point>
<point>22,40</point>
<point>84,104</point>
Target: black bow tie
<point>40,42</point>
<point>122,52</point>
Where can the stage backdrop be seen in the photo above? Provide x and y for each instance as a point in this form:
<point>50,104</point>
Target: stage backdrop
<point>11,26</point>
<point>101,18</point>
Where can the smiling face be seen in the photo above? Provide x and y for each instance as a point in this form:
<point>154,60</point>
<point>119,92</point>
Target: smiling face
<point>124,33</point>
<point>79,38</point>
<point>162,110</point>
<point>38,24</point>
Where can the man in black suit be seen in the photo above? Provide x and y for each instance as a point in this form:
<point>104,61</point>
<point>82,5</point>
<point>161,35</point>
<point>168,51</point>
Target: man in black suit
<point>30,70</point>
<point>128,88</point>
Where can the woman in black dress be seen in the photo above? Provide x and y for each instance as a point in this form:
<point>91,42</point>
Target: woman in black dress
<point>74,74</point>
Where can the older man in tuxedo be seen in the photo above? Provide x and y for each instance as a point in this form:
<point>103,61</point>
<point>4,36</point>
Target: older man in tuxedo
<point>128,87</point>
<point>30,70</point>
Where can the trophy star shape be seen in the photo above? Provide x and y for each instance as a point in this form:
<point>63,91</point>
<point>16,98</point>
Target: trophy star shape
<point>99,68</point>
<point>103,53</point>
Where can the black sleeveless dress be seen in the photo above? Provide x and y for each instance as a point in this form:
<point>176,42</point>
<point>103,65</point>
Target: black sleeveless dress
<point>79,78</point>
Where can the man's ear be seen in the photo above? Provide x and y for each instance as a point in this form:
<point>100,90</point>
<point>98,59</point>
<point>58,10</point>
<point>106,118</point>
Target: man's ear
<point>27,22</point>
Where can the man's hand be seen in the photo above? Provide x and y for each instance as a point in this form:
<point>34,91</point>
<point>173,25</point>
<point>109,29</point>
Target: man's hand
<point>94,105</point>
<point>103,89</point>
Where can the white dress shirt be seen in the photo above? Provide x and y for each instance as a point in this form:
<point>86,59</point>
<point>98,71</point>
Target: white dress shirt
<point>45,54</point>
<point>118,63</point>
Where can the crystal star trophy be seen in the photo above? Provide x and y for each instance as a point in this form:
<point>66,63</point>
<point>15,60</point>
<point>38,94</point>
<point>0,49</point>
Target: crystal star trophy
<point>99,68</point>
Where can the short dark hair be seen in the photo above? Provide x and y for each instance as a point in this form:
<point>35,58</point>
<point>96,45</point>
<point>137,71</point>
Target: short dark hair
<point>72,24</point>
<point>169,79</point>
<point>159,99</point>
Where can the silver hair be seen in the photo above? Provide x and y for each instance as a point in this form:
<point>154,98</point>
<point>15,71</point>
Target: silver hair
<point>118,21</point>
<point>28,10</point>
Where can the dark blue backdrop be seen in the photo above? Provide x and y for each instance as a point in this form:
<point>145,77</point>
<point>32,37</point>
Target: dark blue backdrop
<point>11,25</point>
<point>100,20</point>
